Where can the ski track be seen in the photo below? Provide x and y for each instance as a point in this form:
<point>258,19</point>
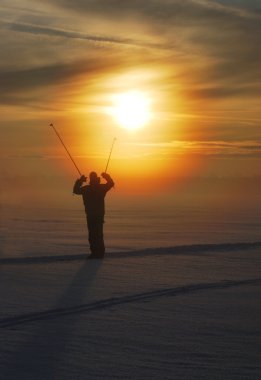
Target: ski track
<point>177,250</point>
<point>118,301</point>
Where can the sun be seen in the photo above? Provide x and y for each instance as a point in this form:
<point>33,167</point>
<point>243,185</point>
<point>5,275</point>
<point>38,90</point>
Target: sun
<point>131,110</point>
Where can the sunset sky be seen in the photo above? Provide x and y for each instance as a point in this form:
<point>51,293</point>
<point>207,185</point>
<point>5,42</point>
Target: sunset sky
<point>197,62</point>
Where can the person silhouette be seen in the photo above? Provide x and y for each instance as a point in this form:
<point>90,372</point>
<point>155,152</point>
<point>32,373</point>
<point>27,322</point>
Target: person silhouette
<point>93,198</point>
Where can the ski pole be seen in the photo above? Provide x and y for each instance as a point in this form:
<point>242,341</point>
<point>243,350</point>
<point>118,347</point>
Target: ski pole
<point>59,137</point>
<point>113,142</point>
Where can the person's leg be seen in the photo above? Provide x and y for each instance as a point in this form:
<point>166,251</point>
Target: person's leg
<point>91,236</point>
<point>99,238</point>
<point>95,228</point>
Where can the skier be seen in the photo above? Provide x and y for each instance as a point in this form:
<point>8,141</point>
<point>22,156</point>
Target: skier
<point>93,199</point>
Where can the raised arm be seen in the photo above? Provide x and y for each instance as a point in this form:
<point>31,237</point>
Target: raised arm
<point>77,188</point>
<point>109,181</point>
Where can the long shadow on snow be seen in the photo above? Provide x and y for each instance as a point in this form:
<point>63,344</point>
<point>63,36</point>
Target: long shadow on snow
<point>38,356</point>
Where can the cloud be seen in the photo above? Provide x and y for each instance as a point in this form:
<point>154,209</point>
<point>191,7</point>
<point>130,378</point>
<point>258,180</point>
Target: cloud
<point>172,149</point>
<point>207,148</point>
<point>55,32</point>
<point>222,92</point>
<point>40,84</point>
<point>154,8</point>
<point>219,42</point>
<point>210,49</point>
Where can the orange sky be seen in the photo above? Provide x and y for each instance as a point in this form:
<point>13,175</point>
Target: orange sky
<point>63,62</point>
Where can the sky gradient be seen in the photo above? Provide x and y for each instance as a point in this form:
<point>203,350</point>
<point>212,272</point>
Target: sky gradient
<point>198,61</point>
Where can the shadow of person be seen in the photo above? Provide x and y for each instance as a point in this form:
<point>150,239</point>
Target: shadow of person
<point>82,281</point>
<point>48,341</point>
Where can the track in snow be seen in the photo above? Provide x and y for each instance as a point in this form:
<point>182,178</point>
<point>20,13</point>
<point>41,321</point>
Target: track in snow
<point>118,301</point>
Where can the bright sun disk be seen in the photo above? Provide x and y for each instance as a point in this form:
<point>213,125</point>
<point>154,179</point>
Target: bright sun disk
<point>131,110</point>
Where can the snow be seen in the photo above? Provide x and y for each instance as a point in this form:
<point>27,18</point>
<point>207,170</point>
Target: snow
<point>190,312</point>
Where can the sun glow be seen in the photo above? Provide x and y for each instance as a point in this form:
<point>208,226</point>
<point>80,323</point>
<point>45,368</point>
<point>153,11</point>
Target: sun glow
<point>131,110</point>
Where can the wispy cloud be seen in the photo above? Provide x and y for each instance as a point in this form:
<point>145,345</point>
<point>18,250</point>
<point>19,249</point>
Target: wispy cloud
<point>56,32</point>
<point>207,52</point>
<point>213,47</point>
<point>210,148</point>
<point>153,8</point>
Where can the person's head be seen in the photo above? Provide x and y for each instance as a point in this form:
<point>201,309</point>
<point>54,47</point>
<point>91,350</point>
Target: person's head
<point>94,179</point>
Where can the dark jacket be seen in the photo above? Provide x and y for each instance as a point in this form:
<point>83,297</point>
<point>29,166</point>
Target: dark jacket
<point>93,196</point>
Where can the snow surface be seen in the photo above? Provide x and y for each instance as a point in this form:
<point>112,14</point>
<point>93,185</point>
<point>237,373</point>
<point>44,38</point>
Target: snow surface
<point>190,312</point>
